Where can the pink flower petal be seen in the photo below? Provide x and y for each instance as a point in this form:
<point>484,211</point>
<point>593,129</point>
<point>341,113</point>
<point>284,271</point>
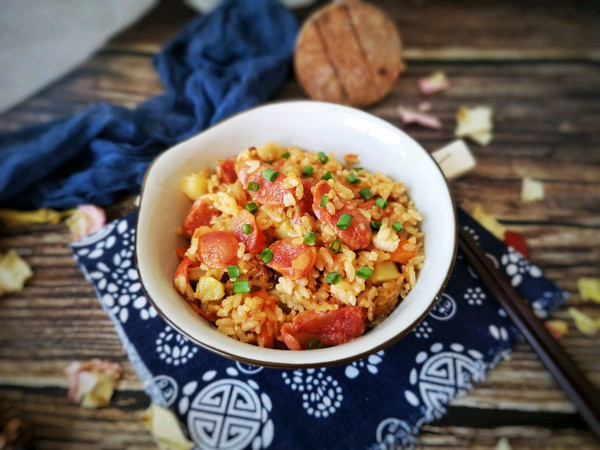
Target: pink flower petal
<point>86,220</point>
<point>427,120</point>
<point>435,82</point>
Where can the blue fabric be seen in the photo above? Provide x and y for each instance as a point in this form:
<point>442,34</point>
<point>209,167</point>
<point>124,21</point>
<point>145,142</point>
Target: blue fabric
<point>379,402</point>
<point>222,63</point>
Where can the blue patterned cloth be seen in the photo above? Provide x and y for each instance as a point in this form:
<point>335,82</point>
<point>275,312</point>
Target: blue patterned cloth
<point>379,402</point>
<point>221,63</point>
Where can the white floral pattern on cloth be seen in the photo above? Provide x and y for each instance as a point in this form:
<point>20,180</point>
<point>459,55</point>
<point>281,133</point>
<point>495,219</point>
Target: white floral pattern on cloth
<point>118,284</point>
<point>441,375</point>
<point>321,394</point>
<point>227,413</point>
<point>516,266</point>
<point>225,404</point>
<point>173,348</point>
<point>370,363</point>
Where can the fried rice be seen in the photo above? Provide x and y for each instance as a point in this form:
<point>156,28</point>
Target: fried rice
<point>295,249</point>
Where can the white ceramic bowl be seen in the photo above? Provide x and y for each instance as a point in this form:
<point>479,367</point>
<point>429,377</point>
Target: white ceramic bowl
<point>313,126</point>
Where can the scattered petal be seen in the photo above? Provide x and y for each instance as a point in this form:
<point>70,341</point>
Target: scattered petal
<point>532,190</point>
<point>14,271</point>
<point>475,123</point>
<point>488,222</point>
<point>91,383</point>
<point>13,218</point>
<point>86,220</point>
<point>589,289</point>
<point>455,159</point>
<point>518,242</point>
<point>503,444</point>
<point>411,116</point>
<point>584,323</point>
<point>435,82</point>
<point>165,429</point>
<point>558,328</point>
<point>424,107</point>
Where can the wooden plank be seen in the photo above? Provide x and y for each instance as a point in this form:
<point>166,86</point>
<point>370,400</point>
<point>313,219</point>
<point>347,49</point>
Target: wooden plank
<point>440,30</point>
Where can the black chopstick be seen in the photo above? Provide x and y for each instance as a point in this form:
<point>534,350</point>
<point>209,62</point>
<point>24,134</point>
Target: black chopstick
<point>577,387</point>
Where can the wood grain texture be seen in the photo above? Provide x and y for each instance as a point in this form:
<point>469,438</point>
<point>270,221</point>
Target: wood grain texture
<point>534,62</point>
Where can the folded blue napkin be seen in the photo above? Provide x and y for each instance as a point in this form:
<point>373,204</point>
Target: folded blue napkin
<point>378,402</point>
<point>221,63</point>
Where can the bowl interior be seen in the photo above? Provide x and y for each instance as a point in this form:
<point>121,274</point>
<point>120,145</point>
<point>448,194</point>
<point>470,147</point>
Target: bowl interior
<point>313,126</point>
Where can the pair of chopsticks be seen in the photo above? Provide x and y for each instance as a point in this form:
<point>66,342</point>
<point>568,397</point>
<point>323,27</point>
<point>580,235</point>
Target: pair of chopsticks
<point>577,387</point>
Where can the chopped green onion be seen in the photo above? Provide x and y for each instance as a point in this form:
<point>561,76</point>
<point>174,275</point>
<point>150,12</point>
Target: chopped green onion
<point>253,186</point>
<point>234,271</point>
<point>310,238</point>
<point>270,174</point>
<point>270,162</point>
<point>251,207</point>
<point>333,278</point>
<point>381,203</point>
<point>324,200</point>
<point>352,178</point>
<point>286,155</point>
<point>366,193</point>
<point>315,344</point>
<point>344,221</point>
<point>307,171</point>
<point>364,272</point>
<point>323,157</point>
<point>327,176</point>
<point>247,228</point>
<point>376,224</point>
<point>358,168</point>
<point>335,246</point>
<point>397,226</point>
<point>241,287</point>
<point>266,255</point>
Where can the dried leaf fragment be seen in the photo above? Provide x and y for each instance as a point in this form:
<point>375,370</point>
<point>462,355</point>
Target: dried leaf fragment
<point>436,82</point>
<point>558,328</point>
<point>13,218</point>
<point>583,322</point>
<point>14,271</point>
<point>411,116</point>
<point>92,383</point>
<point>532,190</point>
<point>475,123</point>
<point>165,429</point>
<point>85,220</point>
<point>488,222</point>
<point>589,289</point>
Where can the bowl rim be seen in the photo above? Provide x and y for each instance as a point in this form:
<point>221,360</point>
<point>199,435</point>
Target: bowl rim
<point>296,365</point>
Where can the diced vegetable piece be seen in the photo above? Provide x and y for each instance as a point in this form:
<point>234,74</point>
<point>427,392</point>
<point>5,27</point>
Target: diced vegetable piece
<point>397,226</point>
<point>329,328</point>
<point>384,271</point>
<point>241,287</point>
<point>352,178</point>
<point>402,256</point>
<point>270,174</point>
<point>381,203</point>
<point>253,186</point>
<point>344,221</point>
<point>218,249</point>
<point>209,289</point>
<point>335,246</point>
<point>266,255</point>
<point>366,193</point>
<point>251,207</point>
<point>323,157</point>
<point>233,271</point>
<point>310,238</point>
<point>358,233</point>
<point>589,289</point>
<point>292,260</point>
<point>376,224</point>
<point>364,272</point>
<point>307,171</point>
<point>200,214</point>
<point>194,185</point>
<point>286,155</point>
<point>333,278</point>
<point>328,176</point>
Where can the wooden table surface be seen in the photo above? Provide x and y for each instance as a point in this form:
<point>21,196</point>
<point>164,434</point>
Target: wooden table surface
<point>536,63</point>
